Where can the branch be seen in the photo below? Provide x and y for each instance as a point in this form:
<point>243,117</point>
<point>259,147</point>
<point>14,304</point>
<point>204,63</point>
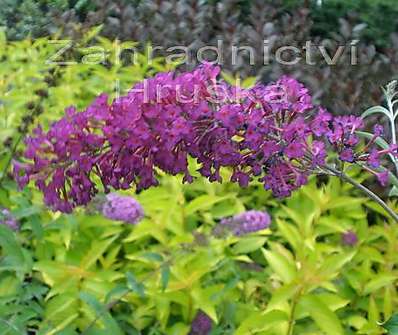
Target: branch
<point>9,160</point>
<point>364,189</point>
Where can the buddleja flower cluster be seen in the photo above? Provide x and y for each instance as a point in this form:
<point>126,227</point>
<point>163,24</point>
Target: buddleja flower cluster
<point>245,223</point>
<point>6,218</point>
<point>269,132</point>
<point>201,324</point>
<point>122,208</point>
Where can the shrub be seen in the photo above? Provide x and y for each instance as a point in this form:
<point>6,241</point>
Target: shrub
<point>299,274</point>
<point>342,88</point>
<point>83,271</point>
<point>378,27</point>
<point>35,87</point>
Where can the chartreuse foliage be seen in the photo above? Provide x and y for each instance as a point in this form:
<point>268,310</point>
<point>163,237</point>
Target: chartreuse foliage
<point>84,273</point>
<point>39,78</point>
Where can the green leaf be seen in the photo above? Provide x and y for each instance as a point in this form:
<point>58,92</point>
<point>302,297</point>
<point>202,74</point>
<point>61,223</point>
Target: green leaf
<point>332,265</point>
<point>134,285</point>
<point>14,256</point>
<point>283,267</point>
<point>381,280</point>
<point>26,212</point>
<point>282,294</point>
<point>178,329</point>
<point>249,82</point>
<point>248,244</point>
<point>388,303</point>
<point>333,301</point>
<point>325,319</point>
<point>36,226</point>
<point>165,276</point>
<point>153,256</point>
<point>228,78</point>
<point>290,233</point>
<point>373,311</point>
<point>393,192</point>
<point>203,202</point>
<point>93,32</point>
<point>116,293</point>
<point>59,308</point>
<point>258,322</point>
<point>162,310</point>
<point>392,325</point>
<point>379,141</point>
<point>344,201</point>
<point>98,248</point>
<point>102,313</point>
<point>376,110</point>
<point>203,300</point>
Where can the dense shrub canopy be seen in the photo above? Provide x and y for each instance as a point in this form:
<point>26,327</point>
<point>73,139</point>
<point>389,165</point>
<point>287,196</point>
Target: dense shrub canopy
<point>197,258</point>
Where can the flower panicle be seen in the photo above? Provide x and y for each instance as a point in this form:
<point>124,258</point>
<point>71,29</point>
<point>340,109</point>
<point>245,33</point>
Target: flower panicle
<point>272,133</point>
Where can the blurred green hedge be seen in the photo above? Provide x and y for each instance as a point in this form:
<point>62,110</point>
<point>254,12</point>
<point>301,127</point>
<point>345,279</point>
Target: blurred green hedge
<point>341,88</point>
<point>379,16</point>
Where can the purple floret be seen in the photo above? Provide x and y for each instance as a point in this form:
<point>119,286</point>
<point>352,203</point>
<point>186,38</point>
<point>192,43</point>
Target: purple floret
<point>247,222</point>
<point>122,208</point>
<point>201,325</point>
<point>349,238</point>
<point>7,219</point>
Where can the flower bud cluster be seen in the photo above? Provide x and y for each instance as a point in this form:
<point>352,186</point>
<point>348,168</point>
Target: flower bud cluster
<point>247,222</point>
<point>269,132</point>
<point>122,208</point>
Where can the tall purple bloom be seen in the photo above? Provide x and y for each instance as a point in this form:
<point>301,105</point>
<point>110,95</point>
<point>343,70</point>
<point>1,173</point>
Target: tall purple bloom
<point>247,222</point>
<point>6,218</point>
<point>268,132</point>
<point>122,208</point>
<point>201,324</point>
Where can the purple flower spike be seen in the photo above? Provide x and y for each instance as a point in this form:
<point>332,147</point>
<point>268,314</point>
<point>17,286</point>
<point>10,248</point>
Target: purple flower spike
<point>247,222</point>
<point>7,219</point>
<point>349,238</point>
<point>271,133</point>
<point>201,325</point>
<point>122,208</point>
<point>383,178</point>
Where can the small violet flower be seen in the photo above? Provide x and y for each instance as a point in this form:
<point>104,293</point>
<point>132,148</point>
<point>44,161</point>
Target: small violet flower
<point>122,208</point>
<point>374,158</point>
<point>247,222</point>
<point>378,130</point>
<point>349,238</point>
<point>7,219</point>
<point>201,324</point>
<point>383,178</point>
<point>347,155</point>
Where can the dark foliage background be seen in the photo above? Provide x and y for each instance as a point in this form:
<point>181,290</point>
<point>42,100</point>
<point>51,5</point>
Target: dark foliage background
<point>342,88</point>
<point>85,274</point>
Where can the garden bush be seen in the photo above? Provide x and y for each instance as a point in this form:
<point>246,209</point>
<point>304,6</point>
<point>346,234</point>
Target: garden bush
<point>342,88</point>
<point>378,27</point>
<point>40,18</point>
<point>70,273</point>
<point>325,264</point>
<point>35,87</point>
